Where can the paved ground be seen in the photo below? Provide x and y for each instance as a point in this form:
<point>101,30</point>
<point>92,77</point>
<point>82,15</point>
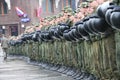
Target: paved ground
<point>17,69</point>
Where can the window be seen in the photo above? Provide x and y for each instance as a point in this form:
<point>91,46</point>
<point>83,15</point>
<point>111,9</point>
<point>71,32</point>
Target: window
<point>50,6</point>
<point>72,3</point>
<point>69,2</point>
<point>47,6</point>
<point>60,5</point>
<point>14,30</point>
<point>64,3</point>
<point>44,5</point>
<point>3,7</point>
<point>1,30</point>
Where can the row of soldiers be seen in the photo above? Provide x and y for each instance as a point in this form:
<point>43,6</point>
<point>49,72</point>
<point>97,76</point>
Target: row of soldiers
<point>96,58</point>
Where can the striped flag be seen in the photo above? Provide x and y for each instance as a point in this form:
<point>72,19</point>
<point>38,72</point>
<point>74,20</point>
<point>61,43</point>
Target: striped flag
<point>39,11</point>
<point>19,12</point>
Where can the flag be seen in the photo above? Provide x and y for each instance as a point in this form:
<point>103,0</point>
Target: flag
<point>39,11</point>
<point>56,3</point>
<point>19,12</point>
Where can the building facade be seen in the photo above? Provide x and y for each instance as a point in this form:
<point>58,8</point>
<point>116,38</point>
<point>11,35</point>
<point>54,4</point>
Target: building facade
<point>10,22</point>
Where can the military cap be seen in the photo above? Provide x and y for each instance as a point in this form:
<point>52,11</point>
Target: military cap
<point>83,4</point>
<point>89,0</point>
<point>73,13</point>
<point>35,24</point>
<point>53,17</point>
<point>67,9</point>
<point>47,18</point>
<point>57,16</point>
<point>60,14</point>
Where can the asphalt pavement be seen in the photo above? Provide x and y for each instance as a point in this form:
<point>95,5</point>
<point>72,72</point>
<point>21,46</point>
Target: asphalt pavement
<point>18,69</point>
